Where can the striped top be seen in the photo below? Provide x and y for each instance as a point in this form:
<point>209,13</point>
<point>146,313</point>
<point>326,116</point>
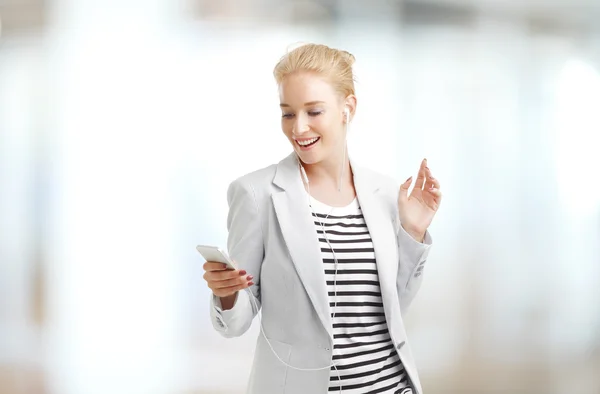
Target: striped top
<point>363,351</point>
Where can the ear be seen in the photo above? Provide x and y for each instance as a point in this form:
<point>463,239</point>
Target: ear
<point>349,108</point>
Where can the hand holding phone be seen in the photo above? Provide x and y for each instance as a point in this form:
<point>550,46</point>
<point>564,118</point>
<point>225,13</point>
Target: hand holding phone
<point>216,254</point>
<point>222,275</point>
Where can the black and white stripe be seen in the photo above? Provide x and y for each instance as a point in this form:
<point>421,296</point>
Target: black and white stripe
<point>365,357</point>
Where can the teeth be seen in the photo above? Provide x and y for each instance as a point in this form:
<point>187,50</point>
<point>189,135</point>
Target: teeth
<point>308,142</point>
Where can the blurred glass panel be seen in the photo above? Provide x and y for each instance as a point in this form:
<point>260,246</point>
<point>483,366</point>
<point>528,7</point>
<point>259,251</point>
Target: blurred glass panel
<point>122,123</point>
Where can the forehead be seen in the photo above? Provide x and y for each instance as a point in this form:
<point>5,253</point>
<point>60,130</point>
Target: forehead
<point>298,88</point>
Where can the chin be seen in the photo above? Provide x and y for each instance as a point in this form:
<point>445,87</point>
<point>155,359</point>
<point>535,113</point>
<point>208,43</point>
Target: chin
<point>308,158</point>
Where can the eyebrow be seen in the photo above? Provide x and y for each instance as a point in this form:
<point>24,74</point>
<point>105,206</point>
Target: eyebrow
<point>282,105</point>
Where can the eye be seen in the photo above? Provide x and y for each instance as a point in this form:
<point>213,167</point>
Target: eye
<point>287,116</point>
<point>315,113</point>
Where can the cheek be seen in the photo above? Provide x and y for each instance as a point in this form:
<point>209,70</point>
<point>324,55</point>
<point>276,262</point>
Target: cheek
<point>320,124</point>
<point>325,127</point>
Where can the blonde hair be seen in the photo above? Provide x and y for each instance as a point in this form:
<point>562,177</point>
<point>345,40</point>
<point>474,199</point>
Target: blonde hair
<point>334,64</point>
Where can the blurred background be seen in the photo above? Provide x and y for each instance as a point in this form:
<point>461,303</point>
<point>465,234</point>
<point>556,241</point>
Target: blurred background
<point>123,122</point>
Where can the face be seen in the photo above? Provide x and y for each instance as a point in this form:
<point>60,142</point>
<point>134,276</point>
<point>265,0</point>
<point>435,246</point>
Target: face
<point>313,117</point>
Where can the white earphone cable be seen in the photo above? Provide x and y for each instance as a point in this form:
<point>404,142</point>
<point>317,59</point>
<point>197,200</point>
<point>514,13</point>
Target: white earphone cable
<point>262,331</point>
<point>333,364</point>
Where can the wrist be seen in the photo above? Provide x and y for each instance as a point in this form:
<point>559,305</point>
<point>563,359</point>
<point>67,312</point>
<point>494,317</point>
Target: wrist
<point>417,235</point>
<point>228,302</point>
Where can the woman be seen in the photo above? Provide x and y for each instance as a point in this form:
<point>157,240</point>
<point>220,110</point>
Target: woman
<point>333,253</point>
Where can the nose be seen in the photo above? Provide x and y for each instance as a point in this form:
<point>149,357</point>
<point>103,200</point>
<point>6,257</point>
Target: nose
<point>301,125</point>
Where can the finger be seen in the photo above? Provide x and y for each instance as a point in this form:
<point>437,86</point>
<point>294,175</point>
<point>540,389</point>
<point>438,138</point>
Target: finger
<point>230,282</point>
<point>435,196</point>
<point>435,192</point>
<point>404,189</point>
<point>227,291</point>
<point>421,176</point>
<point>217,276</point>
<point>214,266</point>
<point>431,181</point>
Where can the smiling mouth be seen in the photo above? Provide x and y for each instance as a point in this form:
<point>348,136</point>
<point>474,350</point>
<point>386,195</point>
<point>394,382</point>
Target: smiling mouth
<point>308,143</point>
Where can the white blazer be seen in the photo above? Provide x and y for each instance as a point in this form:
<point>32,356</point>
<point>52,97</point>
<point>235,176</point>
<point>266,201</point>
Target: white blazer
<point>272,237</point>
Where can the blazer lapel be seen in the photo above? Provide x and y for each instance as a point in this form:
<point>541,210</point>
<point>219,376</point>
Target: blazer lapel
<point>383,236</point>
<point>295,219</point>
<point>298,229</point>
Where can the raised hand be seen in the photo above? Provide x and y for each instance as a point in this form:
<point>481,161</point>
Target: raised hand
<point>417,210</point>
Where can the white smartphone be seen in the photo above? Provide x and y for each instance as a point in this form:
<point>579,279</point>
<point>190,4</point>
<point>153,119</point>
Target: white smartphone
<point>214,253</point>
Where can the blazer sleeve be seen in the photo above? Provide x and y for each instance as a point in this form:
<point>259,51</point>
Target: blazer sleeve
<point>245,246</point>
<point>412,256</point>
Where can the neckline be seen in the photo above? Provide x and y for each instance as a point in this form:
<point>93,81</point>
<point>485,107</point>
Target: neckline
<point>322,207</point>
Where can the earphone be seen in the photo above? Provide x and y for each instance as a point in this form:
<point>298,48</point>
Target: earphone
<point>335,260</point>
<point>347,114</point>
<point>262,331</point>
<point>307,182</point>
<point>347,117</point>
<point>303,174</point>
<point>324,233</point>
